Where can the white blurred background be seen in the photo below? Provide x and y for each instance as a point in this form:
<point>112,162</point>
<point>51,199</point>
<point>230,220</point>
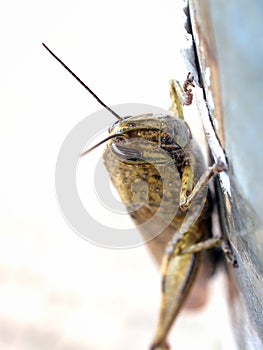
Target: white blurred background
<point>57,291</point>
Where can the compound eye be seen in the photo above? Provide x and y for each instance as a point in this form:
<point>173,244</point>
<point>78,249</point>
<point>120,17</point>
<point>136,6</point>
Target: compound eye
<point>125,152</point>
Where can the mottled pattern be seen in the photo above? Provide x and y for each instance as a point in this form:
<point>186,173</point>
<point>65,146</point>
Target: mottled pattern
<point>157,175</point>
<point>154,163</point>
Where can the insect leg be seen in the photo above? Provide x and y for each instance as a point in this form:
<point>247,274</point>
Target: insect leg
<point>188,193</point>
<point>186,200</point>
<point>210,243</point>
<point>176,95</point>
<point>181,95</point>
<point>187,182</point>
<point>178,273</point>
<point>179,269</point>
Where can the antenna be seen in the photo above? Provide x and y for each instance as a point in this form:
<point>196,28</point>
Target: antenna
<point>100,143</point>
<point>82,83</point>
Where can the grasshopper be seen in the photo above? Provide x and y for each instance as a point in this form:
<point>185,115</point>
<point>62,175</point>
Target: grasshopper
<point>158,150</point>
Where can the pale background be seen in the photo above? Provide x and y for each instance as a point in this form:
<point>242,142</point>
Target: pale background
<point>58,291</point>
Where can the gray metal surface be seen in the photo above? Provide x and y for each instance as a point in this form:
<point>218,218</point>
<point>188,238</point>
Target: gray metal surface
<point>235,57</point>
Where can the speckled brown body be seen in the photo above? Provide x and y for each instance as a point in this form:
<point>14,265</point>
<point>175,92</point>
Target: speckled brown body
<point>146,166</point>
<point>159,165</point>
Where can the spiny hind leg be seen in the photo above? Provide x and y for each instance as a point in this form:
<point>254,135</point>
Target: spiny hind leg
<point>178,274</point>
<point>179,270</point>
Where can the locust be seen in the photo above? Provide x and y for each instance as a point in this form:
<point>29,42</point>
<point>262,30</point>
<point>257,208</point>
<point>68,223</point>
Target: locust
<point>173,215</point>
